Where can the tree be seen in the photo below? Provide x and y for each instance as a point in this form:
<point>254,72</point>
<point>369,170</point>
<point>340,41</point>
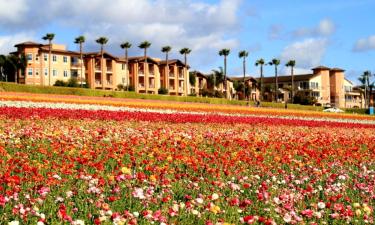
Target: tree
<point>275,62</point>
<point>49,37</point>
<point>126,46</point>
<point>185,52</point>
<point>166,50</point>
<point>365,80</point>
<point>225,52</point>
<point>243,55</point>
<point>260,62</point>
<point>80,40</point>
<point>292,64</point>
<point>145,45</point>
<point>2,65</point>
<point>102,41</point>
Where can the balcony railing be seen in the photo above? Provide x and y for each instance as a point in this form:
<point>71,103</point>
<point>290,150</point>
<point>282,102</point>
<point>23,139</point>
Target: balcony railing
<point>109,82</point>
<point>98,68</point>
<point>152,85</point>
<point>180,75</point>
<point>98,82</point>
<point>152,74</point>
<point>171,75</point>
<point>141,85</point>
<point>109,69</point>
<point>180,89</point>
<point>171,88</point>
<point>141,73</point>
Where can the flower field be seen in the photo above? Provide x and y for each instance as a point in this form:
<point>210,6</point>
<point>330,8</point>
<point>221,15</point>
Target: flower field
<point>80,161</point>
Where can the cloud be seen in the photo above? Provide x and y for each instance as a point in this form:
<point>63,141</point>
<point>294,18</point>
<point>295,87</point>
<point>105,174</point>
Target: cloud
<point>202,26</point>
<point>275,32</point>
<point>326,27</point>
<point>11,12</point>
<point>8,41</point>
<point>307,53</point>
<point>365,44</point>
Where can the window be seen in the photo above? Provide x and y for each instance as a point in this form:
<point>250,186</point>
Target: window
<point>123,66</point>
<point>314,85</point>
<point>30,71</point>
<point>65,59</point>
<point>37,57</point>
<point>54,58</point>
<point>29,57</point>
<point>45,57</point>
<point>45,72</point>
<point>315,94</point>
<point>348,89</point>
<point>65,73</point>
<point>54,73</point>
<point>36,72</point>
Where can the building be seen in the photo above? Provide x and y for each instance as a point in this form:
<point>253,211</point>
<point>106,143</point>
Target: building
<point>64,64</point>
<point>101,71</point>
<point>328,85</point>
<point>252,84</point>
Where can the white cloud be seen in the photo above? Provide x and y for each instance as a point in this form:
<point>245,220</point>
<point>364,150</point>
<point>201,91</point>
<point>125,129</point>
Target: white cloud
<point>275,32</point>
<point>12,11</point>
<point>365,44</point>
<point>7,42</point>
<point>326,27</point>
<point>308,53</point>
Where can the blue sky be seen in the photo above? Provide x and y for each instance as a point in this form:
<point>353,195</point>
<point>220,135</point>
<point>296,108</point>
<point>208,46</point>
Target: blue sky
<point>333,33</point>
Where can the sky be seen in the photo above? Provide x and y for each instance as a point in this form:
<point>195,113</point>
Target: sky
<point>333,33</point>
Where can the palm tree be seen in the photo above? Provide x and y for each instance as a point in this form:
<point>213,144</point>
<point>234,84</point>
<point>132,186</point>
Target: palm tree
<point>292,64</point>
<point>185,52</point>
<point>49,37</point>
<point>166,50</point>
<point>80,40</point>
<point>243,54</point>
<point>225,52</point>
<point>275,62</point>
<point>126,46</point>
<point>365,80</point>
<point>145,45</point>
<point>102,41</point>
<point>260,62</point>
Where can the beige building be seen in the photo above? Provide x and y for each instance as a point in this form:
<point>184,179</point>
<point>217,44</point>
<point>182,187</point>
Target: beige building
<point>64,64</point>
<point>101,71</point>
<point>328,85</point>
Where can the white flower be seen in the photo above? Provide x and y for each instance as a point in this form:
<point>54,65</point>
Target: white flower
<point>287,218</point>
<point>78,222</point>
<point>135,214</point>
<point>214,196</point>
<point>321,205</point>
<point>199,200</point>
<point>40,223</point>
<point>14,222</point>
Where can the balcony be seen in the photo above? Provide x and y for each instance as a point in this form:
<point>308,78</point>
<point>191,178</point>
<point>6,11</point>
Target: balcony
<point>171,75</point>
<point>152,86</point>
<point>152,74</point>
<point>141,73</point>
<point>98,82</point>
<point>140,85</point>
<point>181,76</point>
<point>109,69</point>
<point>109,82</point>
<point>76,64</point>
<point>171,88</point>
<point>180,89</point>
<point>98,68</point>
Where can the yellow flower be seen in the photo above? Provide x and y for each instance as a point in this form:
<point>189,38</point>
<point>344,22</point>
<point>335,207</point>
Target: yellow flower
<point>111,178</point>
<point>215,209</point>
<point>125,170</point>
<point>358,212</point>
<point>367,209</point>
<point>356,205</point>
<point>169,158</point>
<point>153,178</point>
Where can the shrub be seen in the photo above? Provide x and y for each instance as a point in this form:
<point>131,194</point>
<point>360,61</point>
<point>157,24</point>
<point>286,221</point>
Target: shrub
<point>121,87</point>
<point>303,99</point>
<point>163,91</point>
<point>72,82</point>
<point>131,88</point>
<point>60,83</point>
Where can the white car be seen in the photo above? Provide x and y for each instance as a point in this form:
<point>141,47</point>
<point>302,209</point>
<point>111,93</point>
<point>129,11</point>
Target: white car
<point>334,110</point>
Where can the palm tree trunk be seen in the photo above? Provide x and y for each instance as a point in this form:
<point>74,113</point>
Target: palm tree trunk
<point>127,70</point>
<point>166,70</point>
<point>102,66</point>
<point>292,70</point>
<point>49,63</point>
<point>244,75</point>
<point>80,51</point>
<point>225,77</point>
<point>261,83</point>
<point>276,84</point>
<point>146,71</point>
